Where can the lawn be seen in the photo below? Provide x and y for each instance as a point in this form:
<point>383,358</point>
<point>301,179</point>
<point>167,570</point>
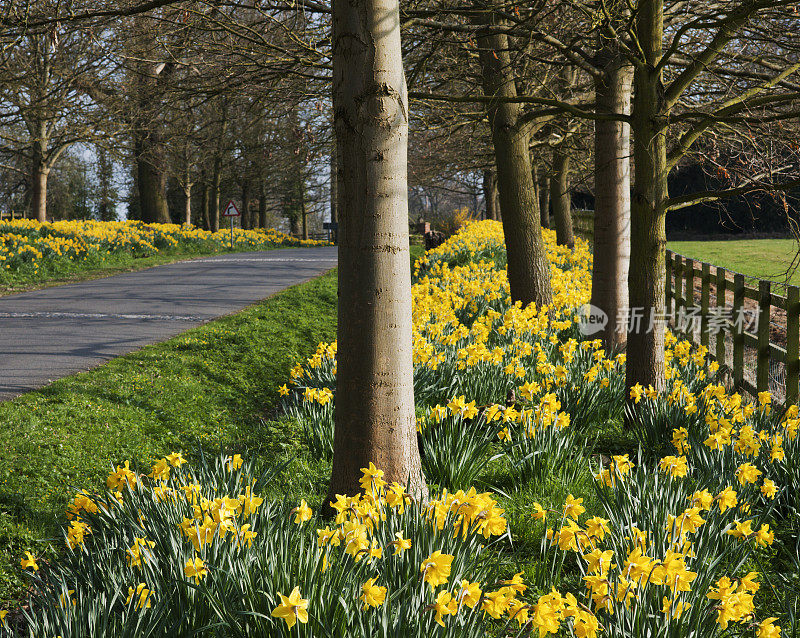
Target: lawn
<point>760,258</point>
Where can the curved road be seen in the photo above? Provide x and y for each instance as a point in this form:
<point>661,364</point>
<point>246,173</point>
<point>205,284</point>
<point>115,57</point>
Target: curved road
<point>51,333</point>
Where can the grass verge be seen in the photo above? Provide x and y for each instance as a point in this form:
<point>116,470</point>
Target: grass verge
<point>212,386</point>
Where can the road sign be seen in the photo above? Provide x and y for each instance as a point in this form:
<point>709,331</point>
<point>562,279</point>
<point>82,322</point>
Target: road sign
<point>330,225</point>
<point>231,210</point>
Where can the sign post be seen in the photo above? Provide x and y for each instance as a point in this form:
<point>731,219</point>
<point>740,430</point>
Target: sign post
<point>231,211</point>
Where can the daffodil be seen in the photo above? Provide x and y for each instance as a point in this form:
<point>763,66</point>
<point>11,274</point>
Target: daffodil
<point>195,568</point>
<point>292,608</point>
<point>436,568</point>
<point>29,562</point>
<point>372,595</point>
<point>302,513</point>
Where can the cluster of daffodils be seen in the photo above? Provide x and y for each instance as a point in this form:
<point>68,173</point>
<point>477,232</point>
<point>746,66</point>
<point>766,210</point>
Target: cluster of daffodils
<point>511,365</point>
<point>178,549</point>
<point>668,555</point>
<point>29,246</point>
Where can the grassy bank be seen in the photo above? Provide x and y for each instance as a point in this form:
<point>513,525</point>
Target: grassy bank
<point>212,386</point>
<point>761,258</point>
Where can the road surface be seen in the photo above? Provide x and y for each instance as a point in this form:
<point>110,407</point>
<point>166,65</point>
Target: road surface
<point>55,332</point>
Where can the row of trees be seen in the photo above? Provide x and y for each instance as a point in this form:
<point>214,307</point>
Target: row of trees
<point>525,98</point>
<point>155,101</point>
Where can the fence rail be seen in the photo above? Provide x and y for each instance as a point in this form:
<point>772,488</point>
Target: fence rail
<point>735,306</point>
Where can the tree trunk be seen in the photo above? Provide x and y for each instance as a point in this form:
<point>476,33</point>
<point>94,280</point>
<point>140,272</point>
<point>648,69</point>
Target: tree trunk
<point>205,198</point>
<point>645,356</point>
<point>334,194</point>
<point>39,177</point>
<point>304,215</point>
<point>151,180</point>
<point>528,268</point>
<point>544,197</point>
<point>612,207</point>
<point>562,200</point>
<point>294,225</point>
<point>375,419</point>
<point>187,205</point>
<point>246,225</point>
<point>262,208</point>
<point>490,193</point>
<point>216,178</point>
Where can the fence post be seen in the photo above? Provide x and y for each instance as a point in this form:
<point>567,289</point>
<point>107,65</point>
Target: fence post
<point>792,344</point>
<point>738,329</point>
<point>721,302</point>
<point>705,299</point>
<point>668,285</point>
<point>688,266</point>
<point>762,366</point>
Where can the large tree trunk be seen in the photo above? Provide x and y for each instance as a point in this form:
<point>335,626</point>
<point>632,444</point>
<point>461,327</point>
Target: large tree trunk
<point>38,199</point>
<point>562,199</point>
<point>544,197</point>
<point>528,268</point>
<point>151,180</point>
<point>612,204</point>
<point>645,357</point>
<point>490,194</point>
<point>375,419</point>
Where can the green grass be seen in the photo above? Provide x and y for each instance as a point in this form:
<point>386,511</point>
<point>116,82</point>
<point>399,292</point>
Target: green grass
<point>761,258</point>
<point>214,386</point>
<point>115,263</point>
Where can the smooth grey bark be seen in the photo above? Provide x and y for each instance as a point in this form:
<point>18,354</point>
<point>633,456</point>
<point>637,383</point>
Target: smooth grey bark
<point>375,420</point>
<point>528,268</point>
<point>645,352</point>
<point>612,208</point>
<point>562,199</point>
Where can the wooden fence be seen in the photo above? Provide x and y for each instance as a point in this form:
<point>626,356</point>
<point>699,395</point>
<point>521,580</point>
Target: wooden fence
<point>726,315</point>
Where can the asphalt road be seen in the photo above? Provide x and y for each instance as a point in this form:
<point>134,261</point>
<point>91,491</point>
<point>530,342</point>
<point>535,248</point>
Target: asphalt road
<point>55,332</point>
